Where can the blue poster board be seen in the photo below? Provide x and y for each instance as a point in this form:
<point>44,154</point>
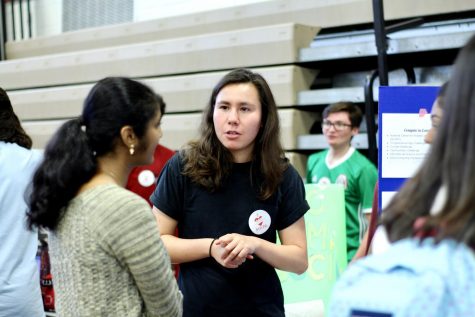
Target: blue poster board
<point>404,119</point>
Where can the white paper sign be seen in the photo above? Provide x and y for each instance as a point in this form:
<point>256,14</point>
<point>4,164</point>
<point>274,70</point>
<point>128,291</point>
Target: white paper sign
<point>386,198</point>
<point>403,148</point>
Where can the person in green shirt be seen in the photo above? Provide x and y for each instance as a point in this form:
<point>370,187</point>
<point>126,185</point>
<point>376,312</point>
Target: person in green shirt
<point>343,164</point>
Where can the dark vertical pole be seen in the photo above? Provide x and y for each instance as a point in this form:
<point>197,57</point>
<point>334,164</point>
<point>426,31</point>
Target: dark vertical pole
<point>381,43</point>
<point>21,19</point>
<point>382,73</point>
<point>28,11</point>
<point>12,7</point>
<point>3,31</point>
<point>369,115</point>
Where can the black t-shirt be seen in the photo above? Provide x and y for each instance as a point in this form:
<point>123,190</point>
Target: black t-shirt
<point>209,289</point>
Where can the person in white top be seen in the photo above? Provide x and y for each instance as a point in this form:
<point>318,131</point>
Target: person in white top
<point>19,273</point>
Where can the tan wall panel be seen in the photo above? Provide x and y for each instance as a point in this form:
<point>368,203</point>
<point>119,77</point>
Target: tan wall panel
<point>299,161</point>
<point>294,123</point>
<point>178,129</point>
<point>311,12</point>
<point>414,8</point>
<point>49,103</point>
<point>192,92</point>
<point>181,93</point>
<point>41,131</point>
<point>278,44</point>
<point>323,13</point>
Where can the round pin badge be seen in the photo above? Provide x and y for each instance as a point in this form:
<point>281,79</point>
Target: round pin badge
<point>341,179</point>
<point>324,181</point>
<point>259,221</point>
<point>146,178</point>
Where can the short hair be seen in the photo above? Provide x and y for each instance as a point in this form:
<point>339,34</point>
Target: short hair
<point>354,112</point>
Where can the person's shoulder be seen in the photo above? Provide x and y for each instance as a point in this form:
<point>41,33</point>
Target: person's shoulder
<point>317,156</point>
<point>17,157</point>
<point>36,156</point>
<point>164,151</point>
<point>362,160</point>
<point>178,157</point>
<point>115,195</point>
<point>13,149</point>
<point>116,201</point>
<point>119,191</point>
<point>360,156</point>
<point>176,162</point>
<point>290,170</point>
<point>291,175</point>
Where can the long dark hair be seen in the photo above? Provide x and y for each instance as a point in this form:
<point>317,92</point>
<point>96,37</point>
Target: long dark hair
<point>70,157</point>
<point>208,162</point>
<point>441,95</point>
<point>11,130</point>
<point>450,164</point>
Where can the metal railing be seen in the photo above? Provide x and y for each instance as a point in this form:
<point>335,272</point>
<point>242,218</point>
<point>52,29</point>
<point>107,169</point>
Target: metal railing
<point>380,32</point>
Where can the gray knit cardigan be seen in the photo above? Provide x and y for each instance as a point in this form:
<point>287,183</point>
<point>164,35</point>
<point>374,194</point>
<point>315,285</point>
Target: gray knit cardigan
<point>107,258</point>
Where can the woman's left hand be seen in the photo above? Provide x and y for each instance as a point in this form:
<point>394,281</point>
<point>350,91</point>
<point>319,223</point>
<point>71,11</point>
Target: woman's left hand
<point>238,248</point>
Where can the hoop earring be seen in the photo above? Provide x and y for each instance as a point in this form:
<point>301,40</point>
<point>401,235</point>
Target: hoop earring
<point>132,149</point>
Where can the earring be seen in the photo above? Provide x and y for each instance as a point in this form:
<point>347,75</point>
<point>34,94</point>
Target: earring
<point>132,149</point>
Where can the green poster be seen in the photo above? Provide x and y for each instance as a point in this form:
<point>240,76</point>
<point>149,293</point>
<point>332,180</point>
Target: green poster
<point>326,243</point>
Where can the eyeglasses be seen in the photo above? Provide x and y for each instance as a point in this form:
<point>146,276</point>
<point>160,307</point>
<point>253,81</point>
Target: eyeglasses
<point>337,125</point>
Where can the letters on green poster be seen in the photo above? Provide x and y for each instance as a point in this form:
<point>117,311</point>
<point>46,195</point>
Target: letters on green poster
<point>326,244</point>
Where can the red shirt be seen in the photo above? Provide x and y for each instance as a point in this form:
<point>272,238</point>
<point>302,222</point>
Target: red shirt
<point>142,179</point>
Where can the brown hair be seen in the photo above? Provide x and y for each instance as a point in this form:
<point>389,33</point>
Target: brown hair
<point>441,95</point>
<point>208,162</point>
<point>354,112</point>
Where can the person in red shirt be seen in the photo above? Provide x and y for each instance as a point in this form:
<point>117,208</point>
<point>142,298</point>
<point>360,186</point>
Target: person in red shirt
<point>142,178</point>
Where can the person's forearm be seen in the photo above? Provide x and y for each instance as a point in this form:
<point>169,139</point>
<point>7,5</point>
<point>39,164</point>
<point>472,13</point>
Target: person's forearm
<point>290,258</point>
<point>361,252</point>
<point>186,250</point>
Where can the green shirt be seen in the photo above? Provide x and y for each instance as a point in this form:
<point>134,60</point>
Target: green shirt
<point>358,175</point>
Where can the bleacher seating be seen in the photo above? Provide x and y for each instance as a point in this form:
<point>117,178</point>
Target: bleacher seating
<point>182,93</point>
<point>182,58</point>
<point>323,13</point>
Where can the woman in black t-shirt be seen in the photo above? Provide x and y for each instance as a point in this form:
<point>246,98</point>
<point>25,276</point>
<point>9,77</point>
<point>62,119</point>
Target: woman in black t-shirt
<point>228,194</point>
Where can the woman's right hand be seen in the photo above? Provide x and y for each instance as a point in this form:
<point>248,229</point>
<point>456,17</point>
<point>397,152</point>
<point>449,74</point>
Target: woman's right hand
<point>219,252</point>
